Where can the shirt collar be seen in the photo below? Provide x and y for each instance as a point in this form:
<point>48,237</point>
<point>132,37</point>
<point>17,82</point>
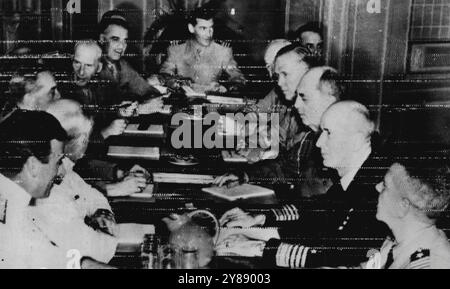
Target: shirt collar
<point>423,239</point>
<point>68,164</point>
<point>360,158</point>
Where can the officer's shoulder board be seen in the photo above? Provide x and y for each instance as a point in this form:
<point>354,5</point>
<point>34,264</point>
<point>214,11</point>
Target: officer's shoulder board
<point>420,259</point>
<point>224,43</point>
<point>177,42</point>
<point>3,208</point>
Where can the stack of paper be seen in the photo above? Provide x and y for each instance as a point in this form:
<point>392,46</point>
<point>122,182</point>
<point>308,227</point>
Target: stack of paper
<point>224,99</point>
<point>239,192</point>
<point>149,153</point>
<point>182,178</point>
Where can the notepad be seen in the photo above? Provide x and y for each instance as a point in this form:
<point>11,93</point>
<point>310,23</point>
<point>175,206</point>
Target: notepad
<point>239,192</point>
<point>152,130</point>
<point>225,100</point>
<point>182,178</point>
<point>149,153</point>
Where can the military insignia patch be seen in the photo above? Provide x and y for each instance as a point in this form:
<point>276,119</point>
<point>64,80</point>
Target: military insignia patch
<point>420,259</point>
<point>3,207</point>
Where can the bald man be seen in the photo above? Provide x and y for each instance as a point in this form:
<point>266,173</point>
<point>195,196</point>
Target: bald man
<point>331,227</point>
<point>301,165</point>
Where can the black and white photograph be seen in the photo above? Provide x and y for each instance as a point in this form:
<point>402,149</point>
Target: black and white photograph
<point>243,135</point>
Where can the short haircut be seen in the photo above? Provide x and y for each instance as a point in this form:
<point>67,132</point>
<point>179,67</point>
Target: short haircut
<point>430,180</point>
<point>274,47</point>
<point>28,133</point>
<point>91,44</point>
<point>205,14</point>
<point>330,83</point>
<point>113,17</point>
<point>315,27</point>
<point>305,55</point>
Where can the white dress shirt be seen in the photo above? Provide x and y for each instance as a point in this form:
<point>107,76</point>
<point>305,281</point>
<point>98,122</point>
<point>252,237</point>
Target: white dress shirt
<point>359,160</point>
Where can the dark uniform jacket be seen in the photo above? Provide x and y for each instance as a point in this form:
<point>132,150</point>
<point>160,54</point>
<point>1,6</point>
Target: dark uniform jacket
<point>335,229</point>
<point>301,167</point>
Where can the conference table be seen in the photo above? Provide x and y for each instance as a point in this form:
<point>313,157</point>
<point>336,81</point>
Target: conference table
<point>179,175</point>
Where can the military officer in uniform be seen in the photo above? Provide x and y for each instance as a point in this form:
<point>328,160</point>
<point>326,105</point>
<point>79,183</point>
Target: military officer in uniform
<point>32,142</point>
<point>128,82</point>
<point>330,225</point>
<point>411,199</point>
<point>201,59</point>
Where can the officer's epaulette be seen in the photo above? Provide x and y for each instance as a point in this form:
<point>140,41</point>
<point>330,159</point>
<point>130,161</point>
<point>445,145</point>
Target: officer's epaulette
<point>224,43</point>
<point>177,42</point>
<point>420,259</point>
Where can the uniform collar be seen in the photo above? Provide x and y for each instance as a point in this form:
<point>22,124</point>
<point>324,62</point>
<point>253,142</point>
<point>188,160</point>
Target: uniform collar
<point>195,45</point>
<point>68,165</point>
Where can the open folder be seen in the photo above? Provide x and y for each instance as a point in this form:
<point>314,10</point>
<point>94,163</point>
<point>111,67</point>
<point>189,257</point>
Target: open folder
<point>149,153</point>
<point>239,192</point>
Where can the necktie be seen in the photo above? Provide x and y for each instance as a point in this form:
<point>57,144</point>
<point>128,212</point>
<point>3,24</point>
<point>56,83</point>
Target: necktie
<point>114,71</point>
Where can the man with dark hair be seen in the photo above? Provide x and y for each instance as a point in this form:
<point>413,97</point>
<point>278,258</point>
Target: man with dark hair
<point>30,92</point>
<point>113,38</point>
<point>32,147</point>
<point>32,142</point>
<point>201,59</point>
<point>310,36</point>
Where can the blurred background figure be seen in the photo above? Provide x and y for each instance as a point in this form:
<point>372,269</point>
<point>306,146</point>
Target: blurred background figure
<point>271,52</point>
<point>310,36</point>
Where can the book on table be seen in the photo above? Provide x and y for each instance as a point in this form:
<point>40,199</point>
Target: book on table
<point>150,153</point>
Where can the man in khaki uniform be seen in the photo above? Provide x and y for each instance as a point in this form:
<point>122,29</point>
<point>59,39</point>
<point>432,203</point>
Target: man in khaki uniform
<point>201,59</point>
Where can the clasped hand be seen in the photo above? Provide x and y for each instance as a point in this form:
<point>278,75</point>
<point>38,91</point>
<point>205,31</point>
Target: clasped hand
<point>238,218</point>
<point>240,245</point>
